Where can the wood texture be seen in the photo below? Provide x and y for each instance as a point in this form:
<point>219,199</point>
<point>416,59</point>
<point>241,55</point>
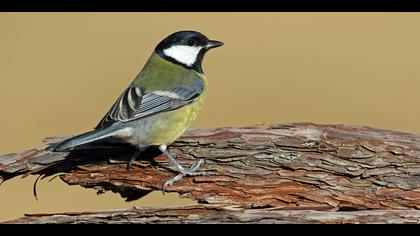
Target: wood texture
<point>335,167</point>
<point>211,214</point>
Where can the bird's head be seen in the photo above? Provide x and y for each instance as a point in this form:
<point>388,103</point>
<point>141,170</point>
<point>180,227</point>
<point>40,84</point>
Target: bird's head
<point>186,48</point>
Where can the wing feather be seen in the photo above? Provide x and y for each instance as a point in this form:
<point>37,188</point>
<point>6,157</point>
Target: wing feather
<point>135,103</point>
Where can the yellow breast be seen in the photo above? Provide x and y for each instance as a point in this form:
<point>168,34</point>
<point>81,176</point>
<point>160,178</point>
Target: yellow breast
<point>169,126</point>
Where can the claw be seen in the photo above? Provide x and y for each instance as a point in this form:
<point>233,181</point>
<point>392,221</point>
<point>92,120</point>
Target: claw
<point>114,161</point>
<point>129,164</point>
<point>189,172</point>
<point>172,181</point>
<point>133,158</point>
<point>182,172</point>
<point>196,165</point>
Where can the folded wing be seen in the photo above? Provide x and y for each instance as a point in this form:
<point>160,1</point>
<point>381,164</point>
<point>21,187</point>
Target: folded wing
<point>136,103</point>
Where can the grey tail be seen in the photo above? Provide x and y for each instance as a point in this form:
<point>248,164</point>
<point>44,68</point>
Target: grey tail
<point>81,139</point>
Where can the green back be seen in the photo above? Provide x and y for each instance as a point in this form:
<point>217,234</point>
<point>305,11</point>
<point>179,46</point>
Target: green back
<point>160,74</point>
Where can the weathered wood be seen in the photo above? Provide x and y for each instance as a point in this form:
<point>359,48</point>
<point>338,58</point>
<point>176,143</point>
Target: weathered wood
<point>292,165</point>
<point>210,214</point>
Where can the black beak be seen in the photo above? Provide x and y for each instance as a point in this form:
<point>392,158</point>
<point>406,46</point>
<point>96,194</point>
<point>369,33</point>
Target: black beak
<point>213,44</point>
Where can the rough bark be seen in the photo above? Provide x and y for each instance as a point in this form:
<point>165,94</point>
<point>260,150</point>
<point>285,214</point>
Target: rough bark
<point>341,168</point>
<point>210,214</point>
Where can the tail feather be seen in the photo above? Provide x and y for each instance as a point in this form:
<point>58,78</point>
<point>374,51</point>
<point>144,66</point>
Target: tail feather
<point>81,139</point>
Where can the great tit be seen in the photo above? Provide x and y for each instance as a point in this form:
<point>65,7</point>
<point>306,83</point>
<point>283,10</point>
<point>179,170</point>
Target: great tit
<point>161,102</point>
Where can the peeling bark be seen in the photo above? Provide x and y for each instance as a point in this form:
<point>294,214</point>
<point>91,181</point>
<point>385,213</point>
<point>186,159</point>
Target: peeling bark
<point>342,168</point>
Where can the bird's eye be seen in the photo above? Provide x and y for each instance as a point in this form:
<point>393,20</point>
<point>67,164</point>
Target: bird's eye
<point>190,42</point>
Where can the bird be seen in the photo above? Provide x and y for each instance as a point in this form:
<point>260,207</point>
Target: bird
<point>160,104</point>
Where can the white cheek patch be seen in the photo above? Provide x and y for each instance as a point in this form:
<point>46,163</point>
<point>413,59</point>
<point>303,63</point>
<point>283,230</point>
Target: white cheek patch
<point>186,55</point>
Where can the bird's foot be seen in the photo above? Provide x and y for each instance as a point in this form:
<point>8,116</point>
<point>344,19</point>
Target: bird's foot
<point>188,172</point>
<point>116,161</point>
<point>133,158</point>
<point>129,163</point>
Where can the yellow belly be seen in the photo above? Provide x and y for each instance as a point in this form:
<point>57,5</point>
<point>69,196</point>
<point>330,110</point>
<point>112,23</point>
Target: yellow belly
<point>169,126</point>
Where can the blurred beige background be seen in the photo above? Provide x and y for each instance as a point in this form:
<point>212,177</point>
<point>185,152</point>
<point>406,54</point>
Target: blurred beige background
<point>60,72</point>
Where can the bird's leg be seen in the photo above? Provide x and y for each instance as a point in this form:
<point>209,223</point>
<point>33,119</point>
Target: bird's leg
<point>168,155</point>
<point>129,163</point>
<point>133,158</point>
<point>183,172</point>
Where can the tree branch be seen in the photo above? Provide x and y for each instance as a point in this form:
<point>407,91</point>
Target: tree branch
<point>223,214</point>
<point>335,167</point>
